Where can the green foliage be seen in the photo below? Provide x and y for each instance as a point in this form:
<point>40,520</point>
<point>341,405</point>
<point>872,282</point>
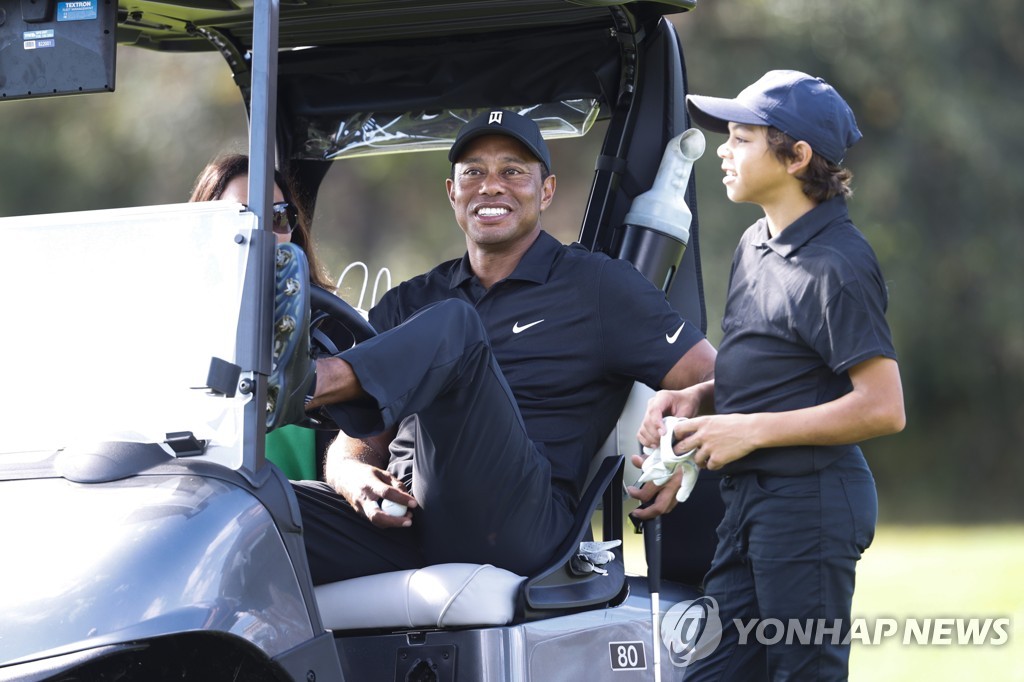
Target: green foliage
<point>141,145</point>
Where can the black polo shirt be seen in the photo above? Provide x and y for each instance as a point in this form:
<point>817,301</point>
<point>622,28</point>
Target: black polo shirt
<point>571,331</point>
<point>802,309</point>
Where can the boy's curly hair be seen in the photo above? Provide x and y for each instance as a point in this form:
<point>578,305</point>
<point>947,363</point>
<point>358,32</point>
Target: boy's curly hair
<point>823,179</point>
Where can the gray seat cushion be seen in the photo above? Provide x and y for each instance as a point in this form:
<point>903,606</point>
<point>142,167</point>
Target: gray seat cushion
<point>439,596</point>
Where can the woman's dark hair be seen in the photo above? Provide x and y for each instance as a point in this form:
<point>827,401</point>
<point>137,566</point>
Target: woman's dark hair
<point>823,179</point>
<point>210,184</point>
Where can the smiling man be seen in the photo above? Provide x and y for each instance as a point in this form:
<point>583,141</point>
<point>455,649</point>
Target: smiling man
<point>498,189</point>
<point>472,418</point>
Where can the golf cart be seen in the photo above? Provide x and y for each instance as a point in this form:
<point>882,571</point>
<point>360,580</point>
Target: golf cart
<point>145,536</point>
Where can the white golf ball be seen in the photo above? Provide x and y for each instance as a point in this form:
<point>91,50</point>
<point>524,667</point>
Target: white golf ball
<point>393,508</point>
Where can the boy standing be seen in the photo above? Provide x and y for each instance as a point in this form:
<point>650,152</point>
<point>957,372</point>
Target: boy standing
<point>806,369</point>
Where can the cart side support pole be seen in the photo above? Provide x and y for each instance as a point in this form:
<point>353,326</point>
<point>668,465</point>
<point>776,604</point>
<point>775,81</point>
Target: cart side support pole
<point>254,335</point>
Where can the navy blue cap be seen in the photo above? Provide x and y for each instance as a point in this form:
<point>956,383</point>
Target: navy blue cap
<point>502,122</point>
<point>803,107</point>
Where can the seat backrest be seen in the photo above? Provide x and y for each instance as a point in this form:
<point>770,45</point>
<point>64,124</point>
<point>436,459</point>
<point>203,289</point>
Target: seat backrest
<point>556,588</point>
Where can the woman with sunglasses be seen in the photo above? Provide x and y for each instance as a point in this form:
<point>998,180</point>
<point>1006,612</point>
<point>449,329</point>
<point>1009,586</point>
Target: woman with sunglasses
<point>227,178</point>
<point>292,448</point>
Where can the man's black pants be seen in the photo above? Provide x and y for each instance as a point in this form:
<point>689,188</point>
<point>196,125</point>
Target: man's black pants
<point>483,488</point>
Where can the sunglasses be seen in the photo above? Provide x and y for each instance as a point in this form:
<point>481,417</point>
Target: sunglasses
<point>284,218</point>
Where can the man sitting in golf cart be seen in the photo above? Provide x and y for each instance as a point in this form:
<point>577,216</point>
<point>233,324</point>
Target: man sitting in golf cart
<point>471,419</point>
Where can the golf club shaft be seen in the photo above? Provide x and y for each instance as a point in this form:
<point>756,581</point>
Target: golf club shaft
<point>652,549</point>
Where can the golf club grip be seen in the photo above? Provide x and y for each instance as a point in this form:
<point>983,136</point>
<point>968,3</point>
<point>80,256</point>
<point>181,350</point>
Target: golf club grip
<point>652,550</point>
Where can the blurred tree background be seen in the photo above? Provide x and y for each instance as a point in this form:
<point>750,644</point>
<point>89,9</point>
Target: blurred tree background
<point>937,88</point>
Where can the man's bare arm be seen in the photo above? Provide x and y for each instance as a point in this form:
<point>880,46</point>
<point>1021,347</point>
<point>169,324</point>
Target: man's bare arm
<point>356,469</point>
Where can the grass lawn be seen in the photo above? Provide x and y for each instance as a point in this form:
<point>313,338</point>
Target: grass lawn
<point>958,572</point>
<point>942,572</point>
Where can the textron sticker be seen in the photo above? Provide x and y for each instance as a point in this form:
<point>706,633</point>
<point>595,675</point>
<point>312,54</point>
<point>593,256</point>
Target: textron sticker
<point>76,10</point>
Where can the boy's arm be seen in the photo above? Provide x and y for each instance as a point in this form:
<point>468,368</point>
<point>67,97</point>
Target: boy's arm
<point>874,407</point>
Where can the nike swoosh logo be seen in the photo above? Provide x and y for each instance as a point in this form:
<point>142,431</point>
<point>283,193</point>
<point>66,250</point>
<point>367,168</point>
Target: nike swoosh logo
<point>671,338</point>
<point>517,328</point>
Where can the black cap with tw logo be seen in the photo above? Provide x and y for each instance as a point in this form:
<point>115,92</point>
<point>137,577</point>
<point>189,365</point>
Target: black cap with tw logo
<point>502,122</point>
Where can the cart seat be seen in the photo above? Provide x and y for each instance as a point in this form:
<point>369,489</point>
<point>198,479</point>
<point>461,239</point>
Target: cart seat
<point>439,596</point>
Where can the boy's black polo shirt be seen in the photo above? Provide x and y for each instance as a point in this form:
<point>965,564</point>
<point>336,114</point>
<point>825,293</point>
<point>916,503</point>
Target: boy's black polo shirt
<point>802,309</point>
<point>571,331</point>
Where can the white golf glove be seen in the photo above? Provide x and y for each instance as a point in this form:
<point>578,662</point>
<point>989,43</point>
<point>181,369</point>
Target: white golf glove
<point>662,462</point>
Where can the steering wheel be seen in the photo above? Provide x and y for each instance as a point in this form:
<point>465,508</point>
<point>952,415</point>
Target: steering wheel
<point>334,326</point>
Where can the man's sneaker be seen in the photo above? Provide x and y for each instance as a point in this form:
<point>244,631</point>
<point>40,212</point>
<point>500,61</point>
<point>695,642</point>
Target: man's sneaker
<point>292,367</point>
